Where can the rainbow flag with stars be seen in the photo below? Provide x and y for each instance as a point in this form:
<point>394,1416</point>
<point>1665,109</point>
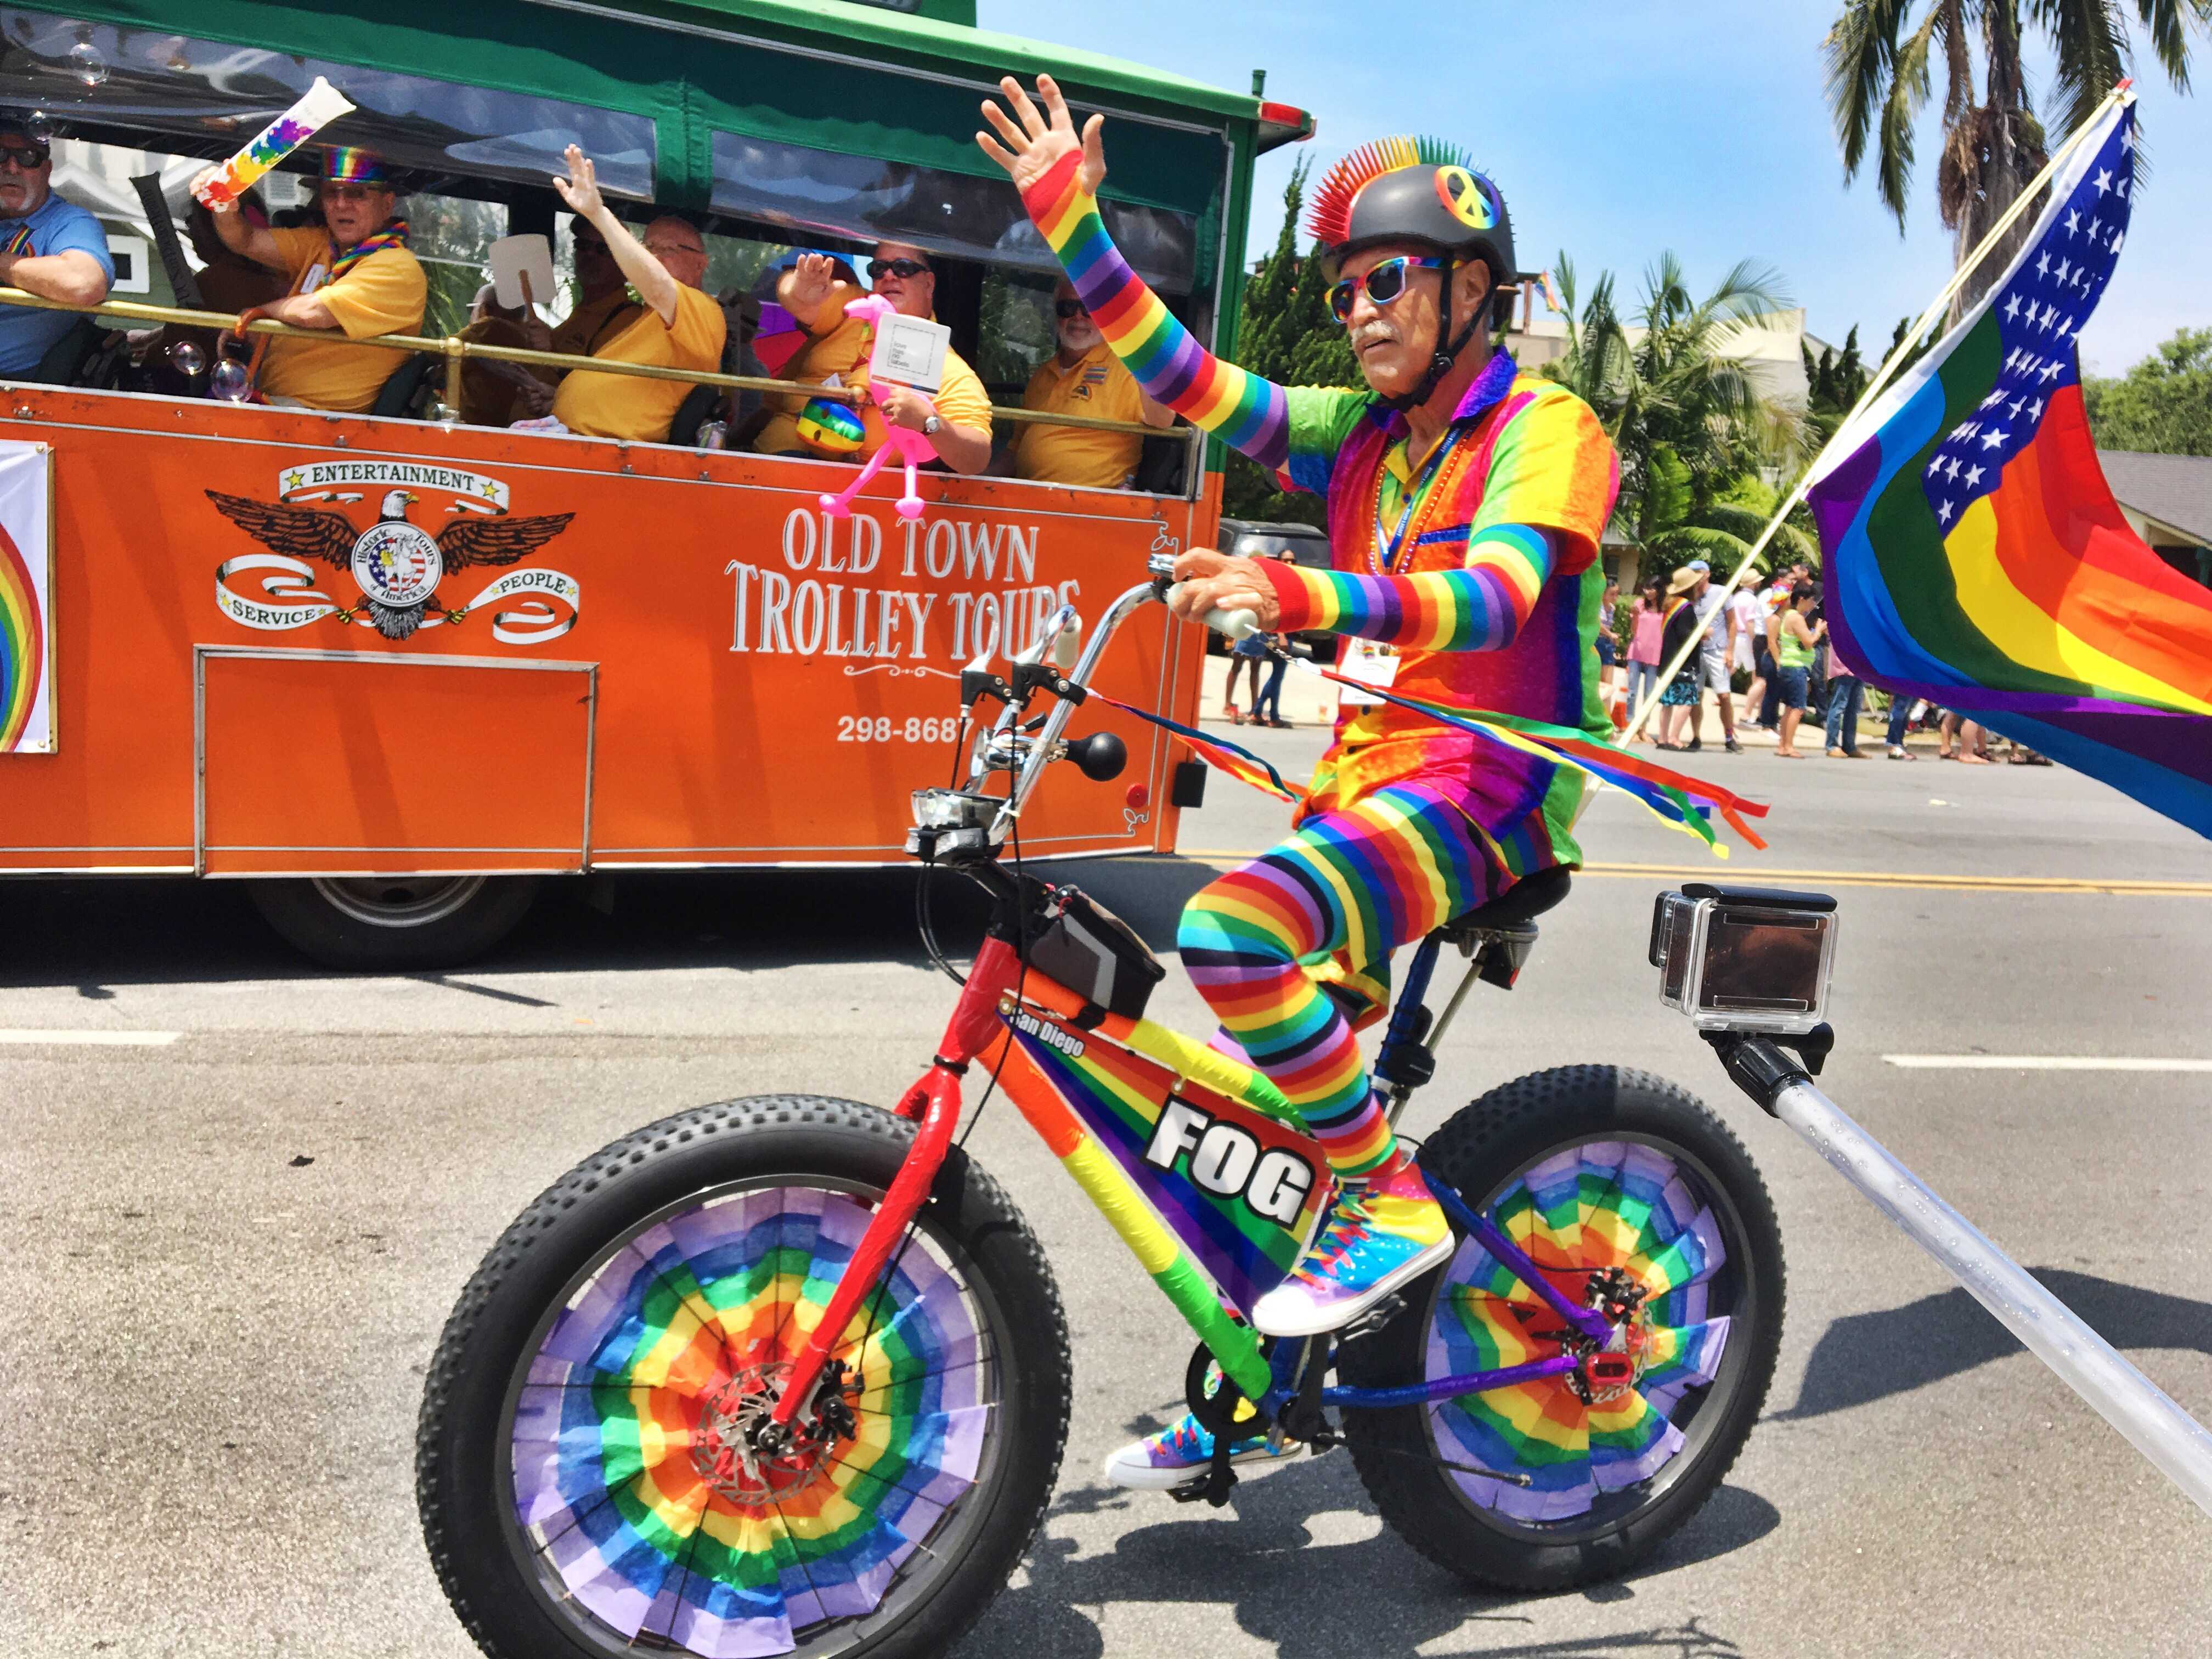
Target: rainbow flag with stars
<point>1975,556</point>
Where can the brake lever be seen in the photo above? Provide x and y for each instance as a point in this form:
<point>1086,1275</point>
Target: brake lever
<point>977,684</point>
<point>1029,675</point>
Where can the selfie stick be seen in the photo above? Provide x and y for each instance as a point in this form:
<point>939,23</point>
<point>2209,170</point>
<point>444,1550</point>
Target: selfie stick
<point>2163,1432</point>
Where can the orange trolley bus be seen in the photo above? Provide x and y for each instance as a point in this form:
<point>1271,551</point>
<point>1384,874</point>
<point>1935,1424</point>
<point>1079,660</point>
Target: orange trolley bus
<point>684,626</point>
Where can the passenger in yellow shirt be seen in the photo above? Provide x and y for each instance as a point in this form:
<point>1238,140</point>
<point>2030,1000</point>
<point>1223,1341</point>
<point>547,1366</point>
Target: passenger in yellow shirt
<point>957,420</point>
<point>1083,377</point>
<point>357,278</point>
<point>642,303</point>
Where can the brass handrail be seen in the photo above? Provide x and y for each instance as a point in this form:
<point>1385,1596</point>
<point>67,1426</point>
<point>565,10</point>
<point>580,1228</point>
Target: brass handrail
<point>456,350</point>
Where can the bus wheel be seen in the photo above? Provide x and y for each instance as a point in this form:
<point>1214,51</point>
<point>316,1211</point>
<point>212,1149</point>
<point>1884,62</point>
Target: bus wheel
<point>386,922</point>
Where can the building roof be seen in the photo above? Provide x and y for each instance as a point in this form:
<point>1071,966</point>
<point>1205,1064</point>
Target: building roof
<point>2174,490</point>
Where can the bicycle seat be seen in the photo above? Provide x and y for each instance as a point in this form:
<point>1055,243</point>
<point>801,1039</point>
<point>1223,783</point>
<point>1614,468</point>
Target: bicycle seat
<point>1522,904</point>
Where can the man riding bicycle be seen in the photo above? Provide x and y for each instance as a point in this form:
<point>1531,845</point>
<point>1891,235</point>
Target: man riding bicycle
<point>1465,505</point>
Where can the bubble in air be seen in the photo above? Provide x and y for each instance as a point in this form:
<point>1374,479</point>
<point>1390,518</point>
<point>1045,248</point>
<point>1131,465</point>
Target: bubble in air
<point>87,64</point>
<point>714,435</point>
<point>188,359</point>
<point>231,381</point>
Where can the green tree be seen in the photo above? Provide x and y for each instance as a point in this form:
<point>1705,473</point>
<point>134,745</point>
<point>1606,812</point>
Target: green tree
<point>2163,405</point>
<point>1690,427</point>
<point>1834,381</point>
<point>1285,332</point>
<point>1880,78</point>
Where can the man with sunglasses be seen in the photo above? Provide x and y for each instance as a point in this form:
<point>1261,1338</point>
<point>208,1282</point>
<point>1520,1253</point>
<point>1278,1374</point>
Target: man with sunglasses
<point>957,418</point>
<point>1083,377</point>
<point>48,246</point>
<point>1465,505</point>
<point>353,274</point>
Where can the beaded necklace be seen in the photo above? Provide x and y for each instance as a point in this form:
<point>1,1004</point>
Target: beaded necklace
<point>1389,553</point>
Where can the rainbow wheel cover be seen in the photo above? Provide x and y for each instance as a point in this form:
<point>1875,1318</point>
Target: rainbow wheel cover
<point>1603,1204</point>
<point>629,1494</point>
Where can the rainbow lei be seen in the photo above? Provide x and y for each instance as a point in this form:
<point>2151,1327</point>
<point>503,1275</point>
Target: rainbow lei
<point>393,235</point>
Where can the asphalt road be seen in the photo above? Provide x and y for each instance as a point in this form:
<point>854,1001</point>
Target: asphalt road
<point>227,1258</point>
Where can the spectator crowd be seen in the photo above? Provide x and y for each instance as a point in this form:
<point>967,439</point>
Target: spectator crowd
<point>344,268</point>
<point>1777,638</point>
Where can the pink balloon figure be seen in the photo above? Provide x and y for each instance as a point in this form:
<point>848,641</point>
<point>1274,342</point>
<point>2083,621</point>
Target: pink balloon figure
<point>912,447</point>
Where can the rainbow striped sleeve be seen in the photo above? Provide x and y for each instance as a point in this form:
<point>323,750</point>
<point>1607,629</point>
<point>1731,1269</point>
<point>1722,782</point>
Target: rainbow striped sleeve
<point>1478,607</point>
<point>1243,411</point>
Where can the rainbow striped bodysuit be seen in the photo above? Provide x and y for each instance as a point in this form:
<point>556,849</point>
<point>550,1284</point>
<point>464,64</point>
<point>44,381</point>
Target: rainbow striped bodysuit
<point>1491,601</point>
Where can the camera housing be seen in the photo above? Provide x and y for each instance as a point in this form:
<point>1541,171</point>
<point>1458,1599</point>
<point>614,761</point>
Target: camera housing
<point>1745,958</point>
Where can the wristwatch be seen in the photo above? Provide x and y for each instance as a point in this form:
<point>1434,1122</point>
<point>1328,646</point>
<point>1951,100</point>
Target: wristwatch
<point>931,425</point>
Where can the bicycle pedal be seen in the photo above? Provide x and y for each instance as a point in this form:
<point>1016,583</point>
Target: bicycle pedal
<point>1211,1487</point>
<point>1374,1319</point>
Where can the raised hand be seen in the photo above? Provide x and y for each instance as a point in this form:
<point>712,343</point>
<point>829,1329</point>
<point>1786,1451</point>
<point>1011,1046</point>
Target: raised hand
<point>812,279</point>
<point>1034,142</point>
<point>581,188</point>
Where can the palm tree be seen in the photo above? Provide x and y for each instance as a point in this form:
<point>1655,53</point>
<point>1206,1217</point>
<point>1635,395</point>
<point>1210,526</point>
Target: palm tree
<point>1880,78</point>
<point>1689,425</point>
<point>1722,533</point>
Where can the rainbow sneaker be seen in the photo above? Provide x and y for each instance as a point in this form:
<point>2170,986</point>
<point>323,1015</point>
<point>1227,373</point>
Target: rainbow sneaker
<point>1380,1233</point>
<point>1183,1450</point>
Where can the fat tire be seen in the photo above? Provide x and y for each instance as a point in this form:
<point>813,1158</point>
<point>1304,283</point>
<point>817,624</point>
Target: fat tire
<point>458,1441</point>
<point>308,923</point>
<point>1482,1146</point>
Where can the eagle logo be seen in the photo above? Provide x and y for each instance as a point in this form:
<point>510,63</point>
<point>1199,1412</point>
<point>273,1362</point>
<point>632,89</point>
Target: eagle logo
<point>398,564</point>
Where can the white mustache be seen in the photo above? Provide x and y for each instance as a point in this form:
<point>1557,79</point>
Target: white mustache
<point>1368,333</point>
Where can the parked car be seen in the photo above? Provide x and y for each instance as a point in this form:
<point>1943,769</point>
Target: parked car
<point>1254,538</point>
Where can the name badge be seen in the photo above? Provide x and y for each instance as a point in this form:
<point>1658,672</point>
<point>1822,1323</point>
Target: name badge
<point>1371,665</point>
<point>317,275</point>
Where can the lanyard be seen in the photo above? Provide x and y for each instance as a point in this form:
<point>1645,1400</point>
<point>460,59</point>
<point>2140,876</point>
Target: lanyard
<point>1385,551</point>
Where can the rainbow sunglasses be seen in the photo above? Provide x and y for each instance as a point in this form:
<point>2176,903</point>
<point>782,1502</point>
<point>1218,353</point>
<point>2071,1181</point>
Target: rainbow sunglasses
<point>1384,284</point>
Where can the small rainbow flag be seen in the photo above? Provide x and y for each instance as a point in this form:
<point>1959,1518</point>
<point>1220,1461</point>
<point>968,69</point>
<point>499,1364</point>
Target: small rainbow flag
<point>1975,556</point>
<point>23,644</point>
<point>778,340</point>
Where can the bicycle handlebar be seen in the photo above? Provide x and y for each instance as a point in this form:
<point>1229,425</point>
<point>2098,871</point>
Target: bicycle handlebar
<point>1234,624</point>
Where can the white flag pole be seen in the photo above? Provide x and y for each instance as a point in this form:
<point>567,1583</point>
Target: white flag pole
<point>1875,388</point>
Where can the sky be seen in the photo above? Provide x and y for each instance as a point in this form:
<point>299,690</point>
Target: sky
<point>1619,128</point>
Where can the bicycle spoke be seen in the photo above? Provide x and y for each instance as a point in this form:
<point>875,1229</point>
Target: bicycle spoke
<point>919,1377</point>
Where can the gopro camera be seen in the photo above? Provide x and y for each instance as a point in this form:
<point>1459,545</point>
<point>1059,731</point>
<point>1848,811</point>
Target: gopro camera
<point>1745,958</point>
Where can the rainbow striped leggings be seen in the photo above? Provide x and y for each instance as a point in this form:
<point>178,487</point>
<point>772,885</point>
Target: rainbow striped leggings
<point>1354,885</point>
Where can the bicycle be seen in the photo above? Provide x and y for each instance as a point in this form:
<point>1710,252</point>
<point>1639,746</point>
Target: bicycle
<point>790,1374</point>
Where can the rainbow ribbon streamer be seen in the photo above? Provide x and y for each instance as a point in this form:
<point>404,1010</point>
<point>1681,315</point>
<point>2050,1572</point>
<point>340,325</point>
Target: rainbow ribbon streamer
<point>1675,798</point>
<point>1239,762</point>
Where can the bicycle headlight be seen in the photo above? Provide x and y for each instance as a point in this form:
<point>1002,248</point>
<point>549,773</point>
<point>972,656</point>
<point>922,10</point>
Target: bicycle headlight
<point>1745,958</point>
<point>953,809</point>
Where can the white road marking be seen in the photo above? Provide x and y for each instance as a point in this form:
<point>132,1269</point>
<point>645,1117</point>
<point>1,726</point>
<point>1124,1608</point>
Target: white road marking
<point>2043,1063</point>
<point>91,1039</point>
